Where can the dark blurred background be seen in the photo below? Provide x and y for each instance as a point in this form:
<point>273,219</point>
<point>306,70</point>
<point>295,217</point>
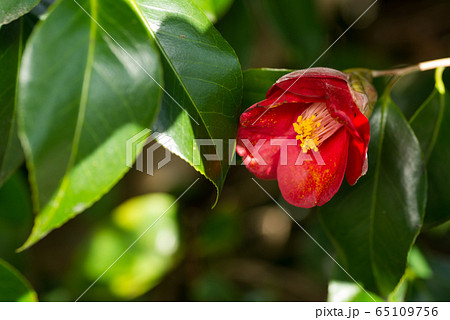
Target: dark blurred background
<point>246,248</point>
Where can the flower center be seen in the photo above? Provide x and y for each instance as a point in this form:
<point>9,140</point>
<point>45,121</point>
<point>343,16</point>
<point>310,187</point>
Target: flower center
<point>314,126</point>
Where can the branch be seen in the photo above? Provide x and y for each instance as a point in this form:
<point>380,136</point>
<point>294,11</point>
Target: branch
<point>423,66</point>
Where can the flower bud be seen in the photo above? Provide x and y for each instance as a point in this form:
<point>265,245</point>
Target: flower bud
<point>364,93</point>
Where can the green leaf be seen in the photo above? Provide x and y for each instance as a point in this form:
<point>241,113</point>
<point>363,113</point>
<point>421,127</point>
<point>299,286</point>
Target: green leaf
<point>13,286</point>
<point>214,9</point>
<point>374,224</point>
<point>257,82</point>
<point>204,84</point>
<point>151,257</point>
<point>83,94</point>
<point>12,9</point>
<point>430,124</point>
<point>11,155</point>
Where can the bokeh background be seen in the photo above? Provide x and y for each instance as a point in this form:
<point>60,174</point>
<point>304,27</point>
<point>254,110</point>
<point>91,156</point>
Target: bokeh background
<point>246,248</point>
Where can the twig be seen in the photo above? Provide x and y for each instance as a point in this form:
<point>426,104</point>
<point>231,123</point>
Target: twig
<point>423,66</point>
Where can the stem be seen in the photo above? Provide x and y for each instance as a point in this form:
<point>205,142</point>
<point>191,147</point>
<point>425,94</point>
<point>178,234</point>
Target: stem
<point>422,66</point>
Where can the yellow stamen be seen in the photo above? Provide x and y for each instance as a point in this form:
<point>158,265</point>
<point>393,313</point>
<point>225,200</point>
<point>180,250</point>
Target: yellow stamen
<point>314,126</point>
<point>306,132</point>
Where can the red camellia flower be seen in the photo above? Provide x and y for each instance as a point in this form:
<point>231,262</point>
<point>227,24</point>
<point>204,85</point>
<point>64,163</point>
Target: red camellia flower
<point>311,129</point>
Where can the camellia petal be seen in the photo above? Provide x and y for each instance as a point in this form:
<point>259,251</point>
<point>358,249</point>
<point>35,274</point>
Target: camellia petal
<point>260,126</point>
<point>263,165</point>
<point>307,182</point>
<point>357,161</point>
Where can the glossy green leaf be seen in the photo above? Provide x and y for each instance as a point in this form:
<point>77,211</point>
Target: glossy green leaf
<point>13,286</point>
<point>214,9</point>
<point>374,224</point>
<point>257,82</point>
<point>149,259</point>
<point>430,124</point>
<point>83,94</point>
<point>203,80</point>
<point>12,9</point>
<point>11,155</point>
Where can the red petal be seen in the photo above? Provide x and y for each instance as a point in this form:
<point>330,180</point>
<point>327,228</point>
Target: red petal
<point>269,154</point>
<point>357,161</point>
<point>308,82</point>
<point>272,122</point>
<point>277,96</point>
<point>312,184</point>
<point>258,123</point>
